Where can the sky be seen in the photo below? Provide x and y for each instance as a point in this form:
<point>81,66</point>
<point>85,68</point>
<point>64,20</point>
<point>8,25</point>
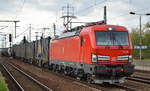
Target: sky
<point>43,13</point>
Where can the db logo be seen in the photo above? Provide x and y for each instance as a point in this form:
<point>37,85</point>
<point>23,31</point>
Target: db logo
<point>125,51</point>
<point>113,58</point>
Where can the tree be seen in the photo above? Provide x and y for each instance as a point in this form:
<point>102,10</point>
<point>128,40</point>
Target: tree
<point>135,41</point>
<point>145,41</point>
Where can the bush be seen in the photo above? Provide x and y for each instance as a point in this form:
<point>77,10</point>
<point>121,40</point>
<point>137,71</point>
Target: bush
<point>3,84</point>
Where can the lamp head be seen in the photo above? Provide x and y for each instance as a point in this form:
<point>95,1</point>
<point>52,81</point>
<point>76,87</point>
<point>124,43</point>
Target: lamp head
<point>133,13</point>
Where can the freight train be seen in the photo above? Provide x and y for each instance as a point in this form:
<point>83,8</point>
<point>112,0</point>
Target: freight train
<point>35,52</point>
<point>97,53</point>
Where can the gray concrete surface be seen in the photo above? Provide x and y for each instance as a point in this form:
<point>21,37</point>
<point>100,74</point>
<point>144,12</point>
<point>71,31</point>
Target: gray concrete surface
<point>142,65</point>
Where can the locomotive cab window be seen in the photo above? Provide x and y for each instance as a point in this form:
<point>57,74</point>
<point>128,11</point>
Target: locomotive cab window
<point>112,38</point>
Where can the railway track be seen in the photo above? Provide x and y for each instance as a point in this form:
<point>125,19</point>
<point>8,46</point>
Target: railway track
<point>106,87</point>
<point>96,87</point>
<point>103,87</point>
<point>11,81</point>
<point>133,87</point>
<point>139,79</point>
<point>24,81</point>
<point>127,87</point>
<point>143,71</point>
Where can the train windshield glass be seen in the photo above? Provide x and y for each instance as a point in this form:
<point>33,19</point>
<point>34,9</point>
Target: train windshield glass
<point>112,38</point>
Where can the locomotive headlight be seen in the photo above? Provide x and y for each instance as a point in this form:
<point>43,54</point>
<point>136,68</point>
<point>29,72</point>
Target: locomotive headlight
<point>111,28</point>
<point>94,58</point>
<point>130,58</point>
<point>103,57</point>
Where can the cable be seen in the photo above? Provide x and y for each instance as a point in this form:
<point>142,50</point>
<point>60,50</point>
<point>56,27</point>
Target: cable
<point>94,5</point>
<point>112,17</point>
<point>85,9</point>
<point>22,33</point>
<point>21,8</point>
<point>3,27</point>
<point>128,13</point>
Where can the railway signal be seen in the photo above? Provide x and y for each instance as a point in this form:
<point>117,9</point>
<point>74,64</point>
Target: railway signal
<point>10,38</point>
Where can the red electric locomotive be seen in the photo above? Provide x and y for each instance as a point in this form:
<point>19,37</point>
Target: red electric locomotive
<point>99,53</point>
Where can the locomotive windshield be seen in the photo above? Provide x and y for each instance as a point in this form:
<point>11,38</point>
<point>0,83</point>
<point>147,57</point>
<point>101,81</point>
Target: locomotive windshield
<point>112,38</point>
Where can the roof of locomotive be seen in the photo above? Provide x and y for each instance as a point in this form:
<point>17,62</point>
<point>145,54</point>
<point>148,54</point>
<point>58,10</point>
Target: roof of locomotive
<point>77,30</point>
<point>105,27</point>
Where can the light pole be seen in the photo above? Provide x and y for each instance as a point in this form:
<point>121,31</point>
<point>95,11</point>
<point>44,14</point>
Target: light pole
<point>140,15</point>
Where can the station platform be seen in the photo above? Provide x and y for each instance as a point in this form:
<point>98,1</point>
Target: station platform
<point>142,65</point>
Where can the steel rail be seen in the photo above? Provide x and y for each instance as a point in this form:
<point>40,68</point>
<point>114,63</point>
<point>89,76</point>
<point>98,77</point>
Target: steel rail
<point>11,76</point>
<point>145,78</point>
<point>30,77</point>
<point>139,79</point>
<point>127,87</point>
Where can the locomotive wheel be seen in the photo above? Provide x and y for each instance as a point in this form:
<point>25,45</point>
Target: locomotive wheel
<point>53,68</point>
<point>40,63</point>
<point>50,66</point>
<point>65,72</point>
<point>57,69</point>
<point>30,61</point>
<point>89,79</point>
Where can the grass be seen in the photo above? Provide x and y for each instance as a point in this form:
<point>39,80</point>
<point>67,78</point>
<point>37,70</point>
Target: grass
<point>3,84</point>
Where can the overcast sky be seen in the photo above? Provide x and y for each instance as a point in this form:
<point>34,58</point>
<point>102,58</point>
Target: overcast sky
<point>43,13</point>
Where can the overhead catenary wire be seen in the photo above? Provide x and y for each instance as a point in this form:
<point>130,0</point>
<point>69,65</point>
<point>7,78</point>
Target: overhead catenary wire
<point>95,4</point>
<point>127,13</point>
<point>21,9</point>
<point>22,32</point>
<point>16,15</point>
<point>3,27</point>
<point>101,2</point>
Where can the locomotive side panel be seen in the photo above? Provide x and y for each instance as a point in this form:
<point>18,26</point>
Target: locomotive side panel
<point>66,49</point>
<point>86,46</point>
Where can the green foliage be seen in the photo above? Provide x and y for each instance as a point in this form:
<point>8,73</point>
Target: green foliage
<point>135,41</point>
<point>145,40</point>
<point>3,85</point>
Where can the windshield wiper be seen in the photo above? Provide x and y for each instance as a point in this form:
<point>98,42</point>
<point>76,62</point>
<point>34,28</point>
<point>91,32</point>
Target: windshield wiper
<point>109,41</point>
<point>115,40</point>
